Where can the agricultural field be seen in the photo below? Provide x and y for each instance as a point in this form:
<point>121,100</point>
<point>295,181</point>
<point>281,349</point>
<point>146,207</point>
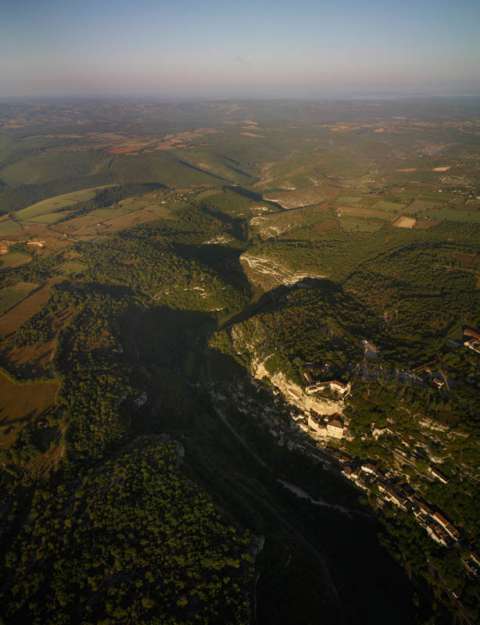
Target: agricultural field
<point>22,403</point>
<point>9,227</point>
<point>14,259</point>
<point>354,223</point>
<point>13,317</point>
<point>55,204</point>
<point>10,296</point>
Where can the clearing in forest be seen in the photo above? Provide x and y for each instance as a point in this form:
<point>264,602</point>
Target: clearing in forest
<point>23,311</point>
<point>11,295</point>
<point>405,222</point>
<point>20,402</point>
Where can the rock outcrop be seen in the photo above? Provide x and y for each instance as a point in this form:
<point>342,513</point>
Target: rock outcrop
<point>268,274</point>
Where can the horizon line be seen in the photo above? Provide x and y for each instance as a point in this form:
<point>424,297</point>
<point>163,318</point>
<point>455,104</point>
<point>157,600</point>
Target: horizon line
<point>242,98</point>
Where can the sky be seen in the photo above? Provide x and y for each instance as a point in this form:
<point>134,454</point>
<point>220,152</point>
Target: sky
<point>246,48</point>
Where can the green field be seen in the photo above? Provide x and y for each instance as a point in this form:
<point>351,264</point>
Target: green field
<point>358,224</point>
<point>54,165</point>
<point>56,203</point>
<point>21,402</point>
<point>347,200</point>
<point>14,259</point>
<point>388,207</point>
<point>9,296</point>
<point>453,214</point>
<point>8,227</point>
<point>48,218</point>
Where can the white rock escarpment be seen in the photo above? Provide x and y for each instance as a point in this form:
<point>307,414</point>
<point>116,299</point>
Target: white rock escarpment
<point>295,395</point>
<point>262,271</point>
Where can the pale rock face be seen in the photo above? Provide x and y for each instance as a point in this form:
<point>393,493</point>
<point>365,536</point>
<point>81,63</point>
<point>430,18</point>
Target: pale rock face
<point>259,370</point>
<point>220,239</point>
<point>265,272</point>
<point>293,393</point>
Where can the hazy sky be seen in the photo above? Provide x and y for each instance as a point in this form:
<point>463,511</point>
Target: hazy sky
<point>221,48</point>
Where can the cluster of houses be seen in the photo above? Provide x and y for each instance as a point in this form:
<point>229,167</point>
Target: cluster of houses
<point>471,339</point>
<point>5,245</point>
<point>336,387</point>
<point>429,374</point>
<point>472,564</point>
<point>370,478</point>
<point>326,383</point>
<point>332,426</point>
<point>437,474</point>
<point>385,487</point>
<point>38,244</point>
